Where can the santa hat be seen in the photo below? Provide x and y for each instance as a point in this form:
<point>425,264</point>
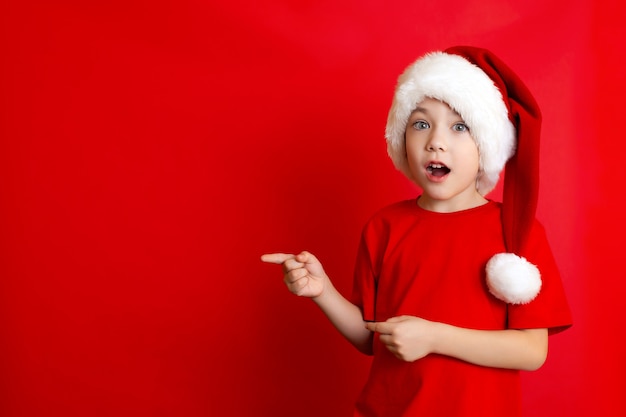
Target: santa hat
<point>505,121</point>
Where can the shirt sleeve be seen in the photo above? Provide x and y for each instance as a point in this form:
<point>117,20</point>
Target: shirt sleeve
<point>364,285</point>
<point>550,308</point>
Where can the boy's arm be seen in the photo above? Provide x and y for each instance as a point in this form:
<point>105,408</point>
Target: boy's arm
<point>411,338</point>
<point>346,317</point>
<point>305,276</point>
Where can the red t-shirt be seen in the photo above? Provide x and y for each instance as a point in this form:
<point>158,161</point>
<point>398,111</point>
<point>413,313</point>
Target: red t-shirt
<point>432,265</point>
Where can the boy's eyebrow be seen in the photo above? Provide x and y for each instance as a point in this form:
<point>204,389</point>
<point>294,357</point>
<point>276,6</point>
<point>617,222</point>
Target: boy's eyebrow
<point>419,109</point>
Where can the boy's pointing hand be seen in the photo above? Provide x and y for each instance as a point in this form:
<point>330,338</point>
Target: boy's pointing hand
<point>303,273</point>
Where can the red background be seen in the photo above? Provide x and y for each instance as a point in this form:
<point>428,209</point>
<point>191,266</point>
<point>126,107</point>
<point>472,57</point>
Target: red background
<point>151,151</point>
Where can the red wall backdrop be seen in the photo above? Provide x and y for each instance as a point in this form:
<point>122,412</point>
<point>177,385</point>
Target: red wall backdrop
<point>150,151</point>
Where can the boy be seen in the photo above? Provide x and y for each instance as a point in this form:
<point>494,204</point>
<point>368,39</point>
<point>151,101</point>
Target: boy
<point>441,298</point>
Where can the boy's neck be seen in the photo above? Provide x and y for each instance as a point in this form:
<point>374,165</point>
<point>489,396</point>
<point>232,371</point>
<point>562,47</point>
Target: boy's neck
<point>451,205</point>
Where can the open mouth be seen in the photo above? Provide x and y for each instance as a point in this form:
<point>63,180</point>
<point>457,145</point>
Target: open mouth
<point>437,170</point>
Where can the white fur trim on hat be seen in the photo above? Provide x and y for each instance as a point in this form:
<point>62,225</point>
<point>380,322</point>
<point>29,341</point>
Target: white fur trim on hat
<point>468,91</point>
<point>512,278</point>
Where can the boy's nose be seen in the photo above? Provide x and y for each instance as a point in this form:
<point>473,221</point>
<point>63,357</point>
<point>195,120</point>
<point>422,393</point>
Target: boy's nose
<point>436,141</point>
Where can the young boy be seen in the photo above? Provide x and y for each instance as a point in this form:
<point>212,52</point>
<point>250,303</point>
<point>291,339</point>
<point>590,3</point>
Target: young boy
<point>453,293</point>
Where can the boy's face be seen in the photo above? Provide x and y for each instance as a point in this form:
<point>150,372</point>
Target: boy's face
<point>442,157</point>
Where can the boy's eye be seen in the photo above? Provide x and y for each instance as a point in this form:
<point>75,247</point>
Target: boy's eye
<point>421,125</point>
<point>460,127</point>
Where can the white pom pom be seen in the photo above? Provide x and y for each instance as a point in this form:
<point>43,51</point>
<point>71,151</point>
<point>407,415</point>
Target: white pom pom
<point>512,278</point>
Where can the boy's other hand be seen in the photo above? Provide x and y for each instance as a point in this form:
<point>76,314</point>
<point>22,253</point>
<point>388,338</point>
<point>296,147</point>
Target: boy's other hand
<point>408,338</point>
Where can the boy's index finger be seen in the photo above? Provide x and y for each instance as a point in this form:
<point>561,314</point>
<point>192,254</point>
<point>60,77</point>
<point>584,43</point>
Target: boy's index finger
<point>276,258</point>
<point>378,327</point>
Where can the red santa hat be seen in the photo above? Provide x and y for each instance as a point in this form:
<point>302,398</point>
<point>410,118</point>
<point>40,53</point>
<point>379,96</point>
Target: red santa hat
<point>505,121</point>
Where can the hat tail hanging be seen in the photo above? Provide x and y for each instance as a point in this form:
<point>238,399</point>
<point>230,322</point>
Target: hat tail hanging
<point>510,277</point>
